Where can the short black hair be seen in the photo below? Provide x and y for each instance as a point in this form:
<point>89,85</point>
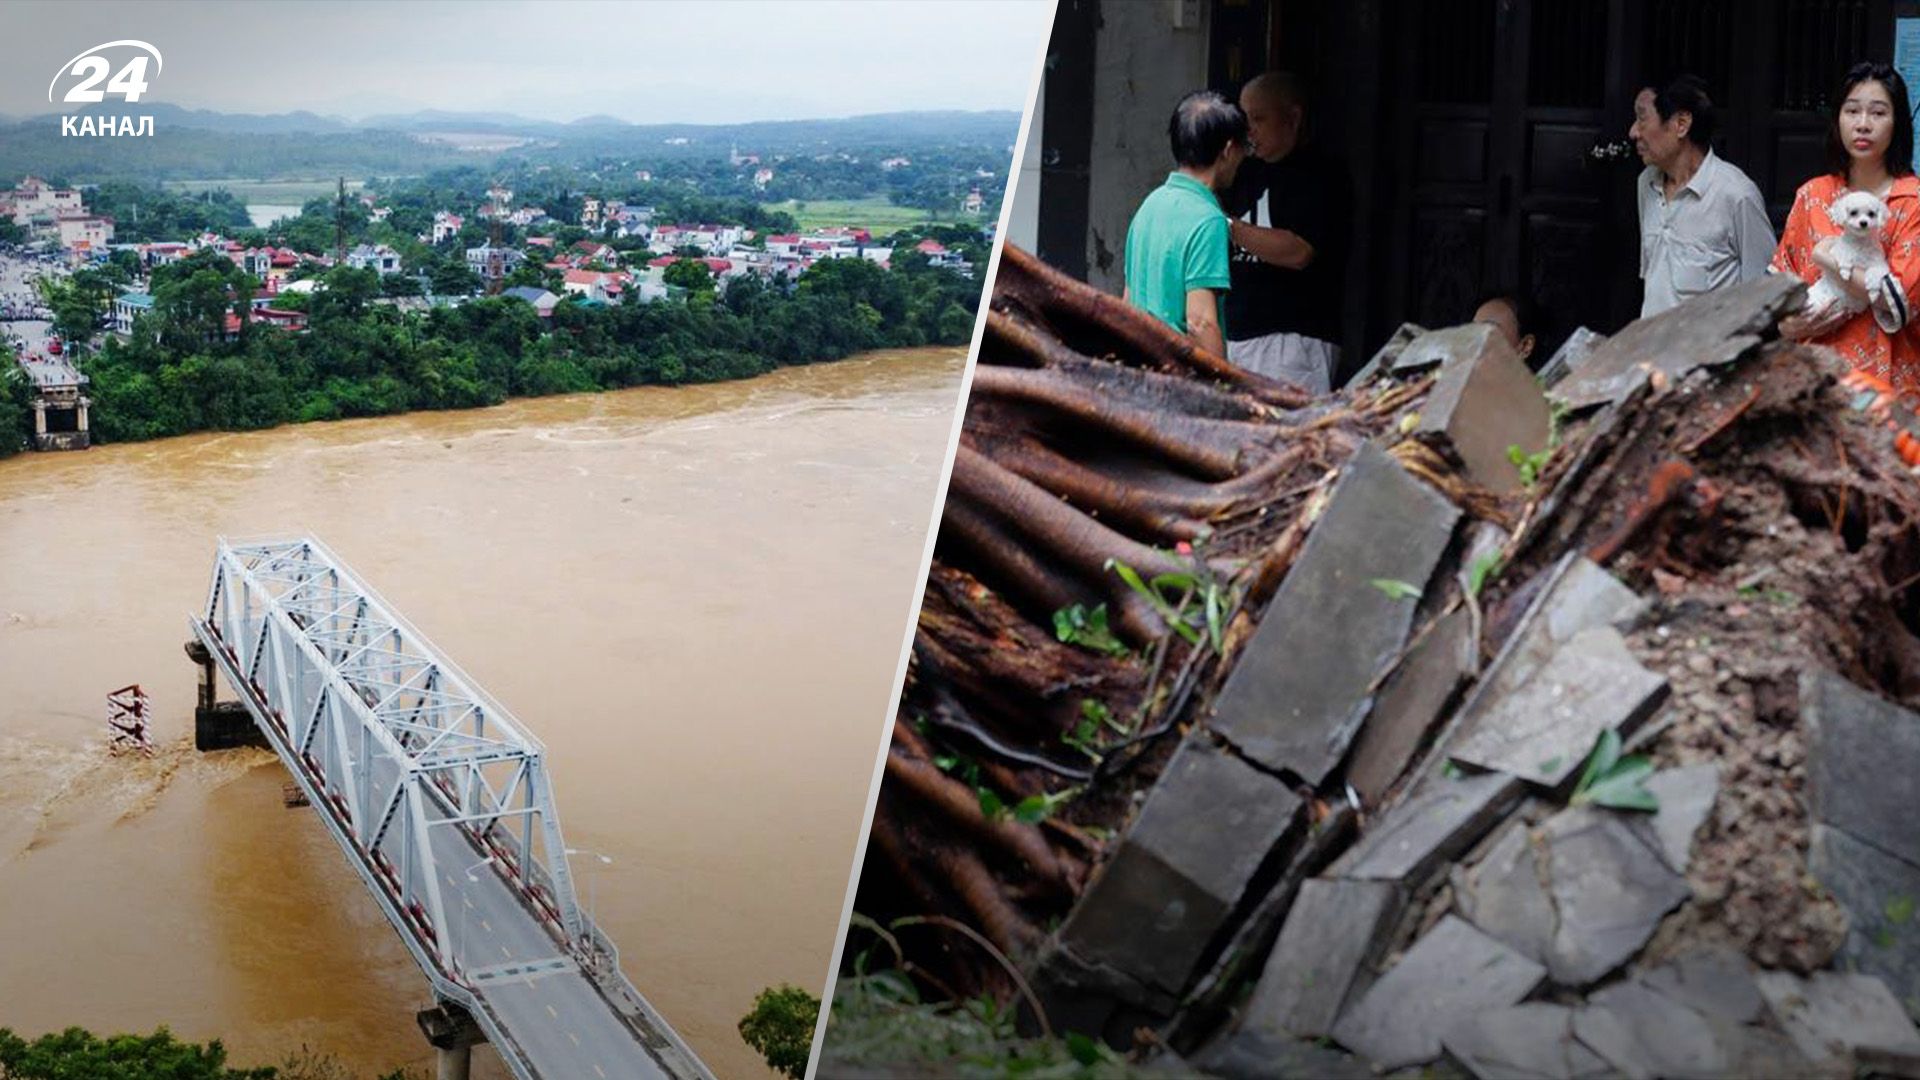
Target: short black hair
<point>1688,94</point>
<point>1202,126</point>
<point>1900,147</point>
<point>1526,311</point>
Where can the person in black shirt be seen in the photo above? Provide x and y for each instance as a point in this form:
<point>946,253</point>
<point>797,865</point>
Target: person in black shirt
<point>1292,207</point>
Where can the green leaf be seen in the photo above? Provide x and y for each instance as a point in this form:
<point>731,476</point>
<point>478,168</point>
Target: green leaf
<point>1483,568</point>
<point>1606,751</point>
<point>946,762</point>
<point>1900,909</point>
<point>1397,590</point>
<point>1621,786</point>
<point>1084,1050</point>
<point>1036,808</point>
<point>990,804</point>
<point>1076,625</point>
<point>1451,771</point>
<point>1551,764</point>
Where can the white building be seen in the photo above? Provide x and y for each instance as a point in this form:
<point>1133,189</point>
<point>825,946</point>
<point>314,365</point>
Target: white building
<point>376,257</point>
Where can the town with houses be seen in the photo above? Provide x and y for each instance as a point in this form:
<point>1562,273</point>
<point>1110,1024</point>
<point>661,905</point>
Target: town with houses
<point>65,235</point>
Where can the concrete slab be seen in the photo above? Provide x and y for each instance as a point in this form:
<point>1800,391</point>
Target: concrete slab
<point>1686,798</point>
<point>1713,328</point>
<point>1570,356</point>
<point>1207,827</point>
<point>1298,695</point>
<point>1543,729</point>
<point>1332,930</point>
<point>1452,973</point>
<point>1505,894</point>
<point>1880,894</point>
<point>1525,1042</point>
<point>1713,982</point>
<point>1577,595</point>
<point>1831,1013</point>
<point>1862,757</point>
<point>1484,403</point>
<point>1410,701</point>
<point>1440,819</point>
<point>1645,1034</point>
<point>1609,888</point>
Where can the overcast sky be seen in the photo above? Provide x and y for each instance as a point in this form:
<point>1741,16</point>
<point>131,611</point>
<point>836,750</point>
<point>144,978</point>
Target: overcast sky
<point>645,62</point>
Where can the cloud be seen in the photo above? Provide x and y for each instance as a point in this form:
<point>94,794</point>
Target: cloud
<point>697,62</point>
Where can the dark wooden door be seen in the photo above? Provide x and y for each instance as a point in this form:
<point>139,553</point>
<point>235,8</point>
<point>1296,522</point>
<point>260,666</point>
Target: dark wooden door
<point>1502,102</point>
<point>1499,105</point>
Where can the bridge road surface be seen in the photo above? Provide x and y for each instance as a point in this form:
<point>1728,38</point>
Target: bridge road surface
<point>560,1025</point>
<point>564,1028</point>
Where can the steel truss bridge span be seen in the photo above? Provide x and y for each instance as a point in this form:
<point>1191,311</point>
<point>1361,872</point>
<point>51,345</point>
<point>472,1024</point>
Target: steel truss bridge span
<point>441,801</point>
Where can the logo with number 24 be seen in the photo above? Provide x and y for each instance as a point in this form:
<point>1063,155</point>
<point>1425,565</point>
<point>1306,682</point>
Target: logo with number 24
<point>129,82</point>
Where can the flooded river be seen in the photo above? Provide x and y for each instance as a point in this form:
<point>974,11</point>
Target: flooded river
<point>695,597</point>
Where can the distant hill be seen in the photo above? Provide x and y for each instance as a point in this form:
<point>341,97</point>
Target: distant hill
<point>195,143</point>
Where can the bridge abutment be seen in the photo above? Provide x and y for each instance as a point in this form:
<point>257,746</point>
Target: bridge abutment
<point>453,1033</point>
<point>219,725</point>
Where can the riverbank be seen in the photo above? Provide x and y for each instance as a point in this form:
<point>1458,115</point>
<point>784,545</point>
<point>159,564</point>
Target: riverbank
<point>186,368</point>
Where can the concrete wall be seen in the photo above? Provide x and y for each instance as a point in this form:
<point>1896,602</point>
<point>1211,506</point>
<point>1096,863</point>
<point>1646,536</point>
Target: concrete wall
<point>1143,63</point>
<point>1023,222</point>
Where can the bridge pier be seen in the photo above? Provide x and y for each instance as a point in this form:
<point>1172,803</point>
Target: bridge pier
<point>219,725</point>
<point>452,1032</point>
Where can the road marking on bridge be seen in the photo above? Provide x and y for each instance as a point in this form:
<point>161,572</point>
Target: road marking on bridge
<point>551,1013</point>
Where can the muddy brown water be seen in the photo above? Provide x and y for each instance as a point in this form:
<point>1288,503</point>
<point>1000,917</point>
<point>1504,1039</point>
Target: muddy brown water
<point>696,598</point>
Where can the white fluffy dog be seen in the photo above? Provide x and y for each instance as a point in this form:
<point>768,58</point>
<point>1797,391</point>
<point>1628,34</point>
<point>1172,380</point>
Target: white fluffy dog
<point>1860,216</point>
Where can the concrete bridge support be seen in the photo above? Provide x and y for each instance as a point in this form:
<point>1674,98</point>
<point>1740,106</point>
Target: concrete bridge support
<point>219,725</point>
<point>453,1033</point>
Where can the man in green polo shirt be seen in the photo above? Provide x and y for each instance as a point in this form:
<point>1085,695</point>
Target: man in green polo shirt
<point>1177,245</point>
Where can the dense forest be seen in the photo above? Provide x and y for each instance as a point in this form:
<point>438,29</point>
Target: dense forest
<point>176,373</point>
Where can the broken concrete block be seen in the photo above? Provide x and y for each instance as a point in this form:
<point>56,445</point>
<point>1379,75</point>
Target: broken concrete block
<point>1437,821</point>
<point>1544,728</point>
<point>1686,797</point>
<point>1257,1055</point>
<point>1382,360</point>
<point>1411,699</point>
<point>1301,689</point>
<point>1711,981</point>
<point>1504,895</point>
<point>1209,824</point>
<point>1643,1033</point>
<point>1485,403</point>
<point>1570,356</point>
<point>1609,888</point>
<point>1713,328</point>
<point>1880,893</point>
<point>1831,1013</point>
<point>1433,348</point>
<point>1862,756</point>
<point>1524,1042</point>
<point>1333,928</point>
<point>1576,595</point>
<point>1452,973</point>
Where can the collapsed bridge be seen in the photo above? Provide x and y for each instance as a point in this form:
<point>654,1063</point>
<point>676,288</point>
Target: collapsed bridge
<point>443,805</point>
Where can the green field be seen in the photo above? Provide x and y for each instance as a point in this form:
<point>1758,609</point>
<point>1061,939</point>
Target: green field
<point>875,214</point>
<point>292,192</point>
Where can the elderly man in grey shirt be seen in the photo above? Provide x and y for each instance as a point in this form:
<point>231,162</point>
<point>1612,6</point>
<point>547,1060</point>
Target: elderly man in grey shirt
<point>1703,224</point>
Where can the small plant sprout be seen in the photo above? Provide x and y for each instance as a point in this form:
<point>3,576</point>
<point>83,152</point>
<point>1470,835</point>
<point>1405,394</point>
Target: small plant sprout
<point>1395,589</point>
<point>1614,781</point>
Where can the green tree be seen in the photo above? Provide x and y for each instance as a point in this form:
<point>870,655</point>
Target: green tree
<point>689,274</point>
<point>781,1027</point>
<point>74,1054</point>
